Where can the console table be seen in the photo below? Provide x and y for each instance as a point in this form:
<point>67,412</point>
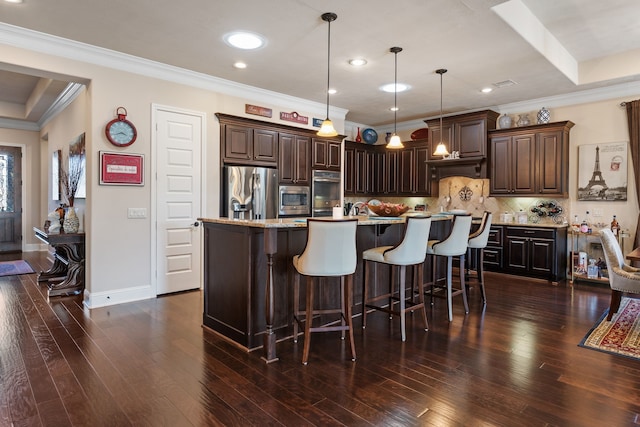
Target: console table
<point>68,262</point>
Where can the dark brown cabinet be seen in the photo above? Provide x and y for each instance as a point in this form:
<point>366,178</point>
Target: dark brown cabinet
<point>530,251</point>
<point>250,146</point>
<point>413,171</point>
<point>325,154</point>
<point>465,133</point>
<point>375,170</point>
<point>512,169</point>
<point>532,160</point>
<point>535,252</point>
<point>294,167</point>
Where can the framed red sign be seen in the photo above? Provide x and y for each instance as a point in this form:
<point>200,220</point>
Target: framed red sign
<point>121,169</point>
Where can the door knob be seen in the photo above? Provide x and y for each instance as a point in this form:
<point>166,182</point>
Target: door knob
<point>195,224</point>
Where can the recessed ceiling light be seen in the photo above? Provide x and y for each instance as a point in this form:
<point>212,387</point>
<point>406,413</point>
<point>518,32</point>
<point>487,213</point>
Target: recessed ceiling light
<point>13,1</point>
<point>486,90</point>
<point>358,62</point>
<point>332,91</point>
<point>505,83</point>
<point>400,87</point>
<point>394,109</point>
<point>244,40</point>
<point>240,65</point>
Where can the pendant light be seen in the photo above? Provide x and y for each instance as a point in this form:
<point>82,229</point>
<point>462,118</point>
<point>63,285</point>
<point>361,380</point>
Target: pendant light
<point>327,128</point>
<point>441,149</point>
<point>395,141</point>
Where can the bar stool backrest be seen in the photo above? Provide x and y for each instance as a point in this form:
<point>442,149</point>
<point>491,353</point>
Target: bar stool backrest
<point>456,243</point>
<point>413,248</point>
<point>480,237</point>
<point>330,248</point>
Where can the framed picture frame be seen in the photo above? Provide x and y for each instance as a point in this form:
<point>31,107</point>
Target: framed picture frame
<point>602,172</point>
<point>121,169</point>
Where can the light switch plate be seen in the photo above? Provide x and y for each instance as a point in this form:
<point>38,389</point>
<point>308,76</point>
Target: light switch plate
<point>136,213</point>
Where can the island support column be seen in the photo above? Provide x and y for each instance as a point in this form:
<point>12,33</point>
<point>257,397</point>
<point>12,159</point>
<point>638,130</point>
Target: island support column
<point>270,248</point>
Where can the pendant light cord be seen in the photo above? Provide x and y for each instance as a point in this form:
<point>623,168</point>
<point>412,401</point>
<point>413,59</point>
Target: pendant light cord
<point>395,97</point>
<point>441,71</point>
<point>329,19</point>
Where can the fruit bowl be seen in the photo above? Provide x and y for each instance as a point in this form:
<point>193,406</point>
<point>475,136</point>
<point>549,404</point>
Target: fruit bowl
<point>387,209</point>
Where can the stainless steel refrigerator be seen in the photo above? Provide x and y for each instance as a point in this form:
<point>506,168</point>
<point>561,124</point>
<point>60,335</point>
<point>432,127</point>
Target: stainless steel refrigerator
<point>250,192</point>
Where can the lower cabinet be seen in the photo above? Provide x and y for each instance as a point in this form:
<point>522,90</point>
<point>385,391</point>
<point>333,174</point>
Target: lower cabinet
<point>538,252</point>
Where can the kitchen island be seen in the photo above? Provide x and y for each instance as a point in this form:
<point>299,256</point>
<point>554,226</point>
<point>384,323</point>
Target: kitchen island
<point>248,274</point>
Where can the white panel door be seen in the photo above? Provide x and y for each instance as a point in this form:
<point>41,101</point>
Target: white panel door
<point>178,199</point>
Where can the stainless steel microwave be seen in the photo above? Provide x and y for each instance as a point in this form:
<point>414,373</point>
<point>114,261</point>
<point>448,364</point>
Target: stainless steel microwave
<point>294,200</point>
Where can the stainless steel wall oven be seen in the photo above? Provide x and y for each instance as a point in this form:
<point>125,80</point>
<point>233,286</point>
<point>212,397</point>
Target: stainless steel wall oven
<point>325,188</point>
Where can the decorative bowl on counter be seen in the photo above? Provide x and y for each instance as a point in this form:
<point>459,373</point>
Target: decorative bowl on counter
<point>387,209</point>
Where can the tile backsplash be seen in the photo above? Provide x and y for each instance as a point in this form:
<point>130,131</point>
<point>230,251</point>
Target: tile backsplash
<point>472,195</point>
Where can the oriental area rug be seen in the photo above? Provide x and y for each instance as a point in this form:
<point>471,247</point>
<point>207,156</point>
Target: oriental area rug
<point>11,268</point>
<point>621,335</point>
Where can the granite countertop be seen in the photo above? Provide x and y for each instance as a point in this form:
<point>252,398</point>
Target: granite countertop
<point>302,222</point>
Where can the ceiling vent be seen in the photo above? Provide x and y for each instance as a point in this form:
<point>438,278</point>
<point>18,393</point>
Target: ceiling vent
<point>505,83</point>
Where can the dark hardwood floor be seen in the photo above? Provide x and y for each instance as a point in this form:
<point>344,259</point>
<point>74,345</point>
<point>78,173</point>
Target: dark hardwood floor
<point>515,363</point>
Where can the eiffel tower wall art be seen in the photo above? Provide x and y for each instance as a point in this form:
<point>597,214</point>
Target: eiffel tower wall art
<point>602,172</point>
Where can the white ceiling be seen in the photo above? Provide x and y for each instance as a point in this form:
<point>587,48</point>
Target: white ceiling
<point>557,47</point>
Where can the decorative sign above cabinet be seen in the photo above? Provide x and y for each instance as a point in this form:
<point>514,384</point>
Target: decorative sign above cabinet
<point>294,117</point>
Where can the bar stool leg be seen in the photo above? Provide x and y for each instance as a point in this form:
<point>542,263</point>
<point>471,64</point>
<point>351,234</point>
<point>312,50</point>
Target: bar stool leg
<point>481,274</point>
<point>308,320</point>
<point>296,305</point>
<point>342,307</point>
<point>401,296</point>
<point>463,285</point>
<point>365,290</point>
<point>421,295</point>
<point>449,278</point>
<point>347,303</point>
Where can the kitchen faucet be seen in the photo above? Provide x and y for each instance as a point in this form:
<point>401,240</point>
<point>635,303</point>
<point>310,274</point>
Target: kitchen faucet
<point>359,208</point>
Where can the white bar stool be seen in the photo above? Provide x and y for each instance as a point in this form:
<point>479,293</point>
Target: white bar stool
<point>454,245</point>
<point>410,252</point>
<point>477,242</point>
<point>330,251</point>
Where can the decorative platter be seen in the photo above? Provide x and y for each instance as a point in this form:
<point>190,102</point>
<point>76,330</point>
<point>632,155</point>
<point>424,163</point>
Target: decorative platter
<point>369,136</point>
<point>422,133</point>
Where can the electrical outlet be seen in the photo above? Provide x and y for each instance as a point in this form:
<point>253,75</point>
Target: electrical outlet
<point>597,212</point>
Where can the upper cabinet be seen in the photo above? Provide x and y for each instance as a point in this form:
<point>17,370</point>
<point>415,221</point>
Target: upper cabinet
<point>530,160</point>
<point>294,151</point>
<point>375,170</point>
<point>325,154</point>
<point>293,167</point>
<point>465,133</point>
<point>251,146</point>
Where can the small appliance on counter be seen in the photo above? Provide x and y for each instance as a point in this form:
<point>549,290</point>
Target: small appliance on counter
<point>250,192</point>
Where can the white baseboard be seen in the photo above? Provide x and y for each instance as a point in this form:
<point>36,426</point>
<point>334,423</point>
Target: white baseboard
<point>119,296</point>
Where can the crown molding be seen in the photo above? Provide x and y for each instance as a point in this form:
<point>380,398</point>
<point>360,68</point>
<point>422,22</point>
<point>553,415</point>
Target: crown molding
<point>82,52</point>
<point>19,125</point>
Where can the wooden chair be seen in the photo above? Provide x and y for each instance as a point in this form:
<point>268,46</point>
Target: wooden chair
<point>622,277</point>
<point>330,251</point>
<point>410,252</point>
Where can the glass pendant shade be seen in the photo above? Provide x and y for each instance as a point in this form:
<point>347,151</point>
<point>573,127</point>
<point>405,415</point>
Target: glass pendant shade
<point>395,142</point>
<point>327,129</point>
<point>441,150</point>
